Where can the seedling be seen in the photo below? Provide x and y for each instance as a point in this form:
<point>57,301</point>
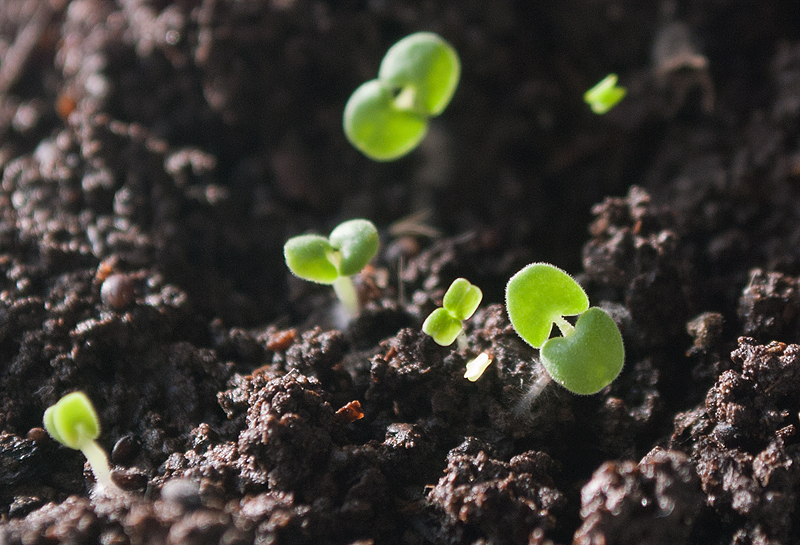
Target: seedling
<point>460,302</point>
<point>386,118</point>
<point>590,354</point>
<point>477,366</point>
<point>333,260</point>
<point>73,422</point>
<point>605,95</point>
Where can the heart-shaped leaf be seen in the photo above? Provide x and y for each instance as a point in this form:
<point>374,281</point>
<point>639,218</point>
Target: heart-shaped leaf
<point>539,295</point>
<point>377,128</point>
<point>308,256</point>
<point>589,358</point>
<point>426,64</point>
<point>462,299</point>
<point>356,242</point>
<point>72,421</point>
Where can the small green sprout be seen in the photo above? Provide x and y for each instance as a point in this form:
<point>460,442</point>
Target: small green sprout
<point>589,355</point>
<point>477,366</point>
<point>73,422</point>
<point>333,260</point>
<point>386,118</point>
<point>459,303</point>
<point>605,95</point>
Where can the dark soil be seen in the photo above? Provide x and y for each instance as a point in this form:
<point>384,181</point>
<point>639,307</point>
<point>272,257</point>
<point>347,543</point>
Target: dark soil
<point>155,156</point>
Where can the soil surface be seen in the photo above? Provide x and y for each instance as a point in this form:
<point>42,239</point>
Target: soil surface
<point>155,156</point>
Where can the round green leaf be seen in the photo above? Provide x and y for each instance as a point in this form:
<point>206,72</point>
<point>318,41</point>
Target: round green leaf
<point>308,256</point>
<point>589,358</point>
<point>428,65</point>
<point>356,242</point>
<point>537,296</point>
<point>442,327</point>
<point>462,299</point>
<point>377,128</point>
<point>72,421</point>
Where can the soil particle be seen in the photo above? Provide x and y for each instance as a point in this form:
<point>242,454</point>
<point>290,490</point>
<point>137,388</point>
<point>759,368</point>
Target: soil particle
<point>770,307</point>
<point>481,497</point>
<point>706,330</point>
<point>71,521</point>
<point>414,371</point>
<point>634,256</point>
<point>655,501</point>
<point>288,441</point>
<point>707,348</point>
<point>320,355</point>
<point>743,442</point>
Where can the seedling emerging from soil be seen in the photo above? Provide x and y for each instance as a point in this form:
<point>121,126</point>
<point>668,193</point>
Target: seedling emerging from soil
<point>477,366</point>
<point>459,303</point>
<point>73,422</point>
<point>333,260</point>
<point>590,354</point>
<point>388,117</point>
<point>605,95</point>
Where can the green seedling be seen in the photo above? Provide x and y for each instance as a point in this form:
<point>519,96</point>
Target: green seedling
<point>460,302</point>
<point>605,95</point>
<point>73,422</point>
<point>388,117</point>
<point>333,260</point>
<point>589,355</point>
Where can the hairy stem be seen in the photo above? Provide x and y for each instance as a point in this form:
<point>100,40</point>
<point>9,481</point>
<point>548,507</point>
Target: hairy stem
<point>543,378</point>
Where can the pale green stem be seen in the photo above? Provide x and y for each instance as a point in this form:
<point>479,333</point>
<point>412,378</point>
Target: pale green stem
<point>407,99</point>
<point>565,327</point>
<point>346,292</point>
<point>461,341</point>
<point>99,464</point>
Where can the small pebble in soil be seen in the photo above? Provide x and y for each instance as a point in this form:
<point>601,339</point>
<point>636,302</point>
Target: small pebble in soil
<point>129,478</point>
<point>183,492</point>
<point>117,291</point>
<point>22,505</point>
<point>36,434</point>
<point>126,449</point>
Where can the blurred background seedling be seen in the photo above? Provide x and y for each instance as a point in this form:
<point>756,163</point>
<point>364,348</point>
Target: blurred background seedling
<point>386,118</point>
<point>605,95</point>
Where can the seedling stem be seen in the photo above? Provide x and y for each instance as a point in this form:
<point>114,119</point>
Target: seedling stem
<point>346,292</point>
<point>565,327</point>
<point>99,464</point>
<point>407,99</point>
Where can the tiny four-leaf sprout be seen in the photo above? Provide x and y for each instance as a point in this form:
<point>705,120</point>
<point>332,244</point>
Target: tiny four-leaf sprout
<point>387,117</point>
<point>460,302</point>
<point>589,355</point>
<point>73,422</point>
<point>445,324</point>
<point>605,95</point>
<point>333,260</point>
